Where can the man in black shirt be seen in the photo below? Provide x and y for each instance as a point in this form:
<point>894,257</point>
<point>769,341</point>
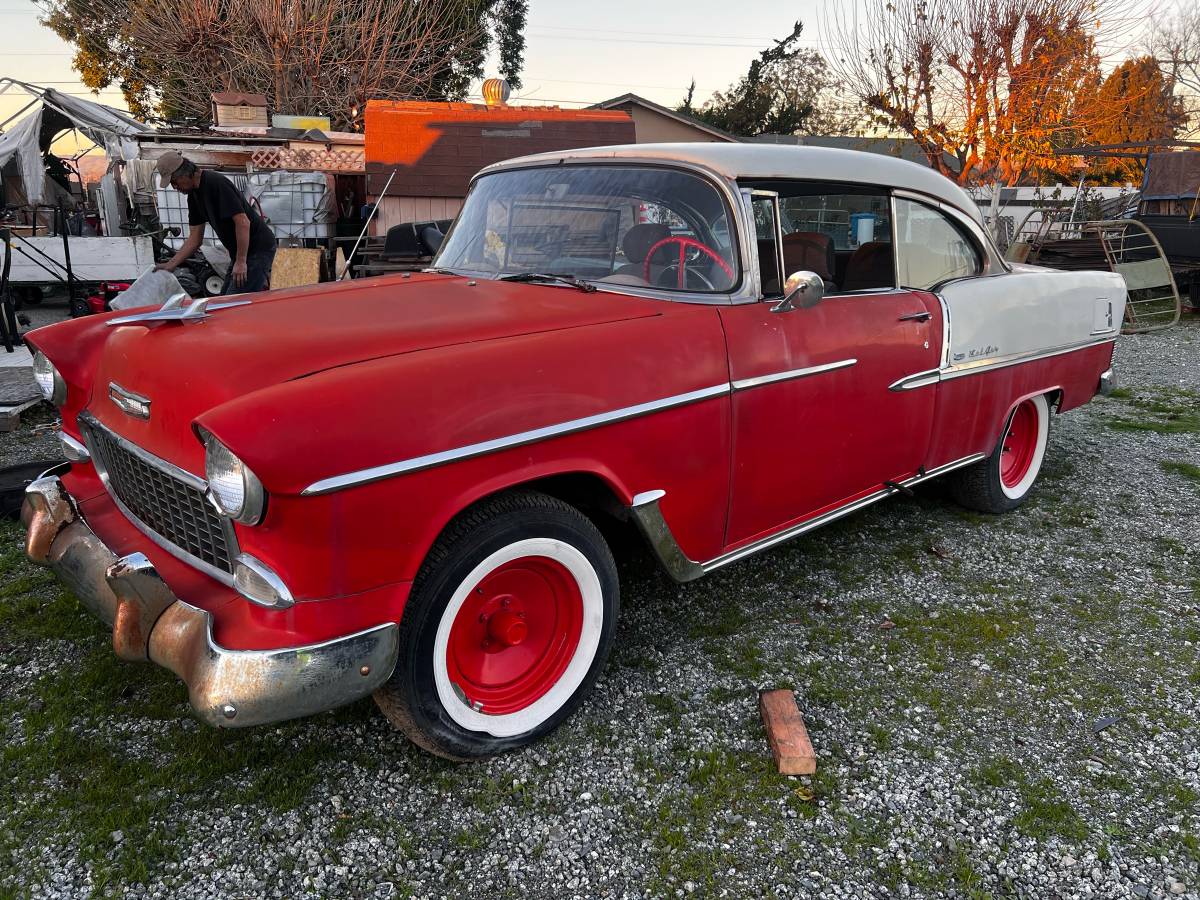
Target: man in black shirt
<point>213,199</point>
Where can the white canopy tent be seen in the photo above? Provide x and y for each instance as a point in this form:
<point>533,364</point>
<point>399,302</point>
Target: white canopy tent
<point>109,128</point>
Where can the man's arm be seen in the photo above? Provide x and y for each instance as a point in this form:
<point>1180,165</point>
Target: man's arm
<point>241,227</point>
<point>190,246</point>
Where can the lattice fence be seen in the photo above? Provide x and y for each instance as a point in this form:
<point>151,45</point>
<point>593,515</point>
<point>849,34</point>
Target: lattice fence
<point>313,160</point>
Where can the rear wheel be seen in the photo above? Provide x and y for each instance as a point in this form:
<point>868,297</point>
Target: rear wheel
<point>1003,480</point>
<point>507,627</point>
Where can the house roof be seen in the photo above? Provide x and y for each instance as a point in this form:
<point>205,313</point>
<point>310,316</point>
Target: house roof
<point>683,118</point>
<point>776,161</point>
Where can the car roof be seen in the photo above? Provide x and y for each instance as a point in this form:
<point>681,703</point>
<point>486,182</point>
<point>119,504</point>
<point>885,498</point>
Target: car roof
<point>775,161</point>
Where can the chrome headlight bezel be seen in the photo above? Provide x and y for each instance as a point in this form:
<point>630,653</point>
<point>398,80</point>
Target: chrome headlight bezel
<point>238,494</point>
<point>49,380</point>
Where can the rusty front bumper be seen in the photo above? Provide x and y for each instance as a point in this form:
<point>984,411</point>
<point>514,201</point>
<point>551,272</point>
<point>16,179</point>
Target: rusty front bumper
<point>230,688</point>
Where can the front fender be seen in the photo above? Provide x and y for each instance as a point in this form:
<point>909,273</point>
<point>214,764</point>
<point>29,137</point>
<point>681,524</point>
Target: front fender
<point>370,414</point>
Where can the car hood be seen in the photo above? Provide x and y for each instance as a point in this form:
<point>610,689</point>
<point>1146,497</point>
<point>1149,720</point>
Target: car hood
<point>187,369</point>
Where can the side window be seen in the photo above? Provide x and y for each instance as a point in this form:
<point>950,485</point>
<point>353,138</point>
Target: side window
<point>844,234</point>
<point>768,244</point>
<point>932,248</point>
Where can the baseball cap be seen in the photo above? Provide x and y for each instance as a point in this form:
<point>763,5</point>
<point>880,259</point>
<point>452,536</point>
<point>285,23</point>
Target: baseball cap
<point>167,165</point>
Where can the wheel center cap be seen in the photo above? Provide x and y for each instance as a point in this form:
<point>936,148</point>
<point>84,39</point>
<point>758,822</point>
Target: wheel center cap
<point>507,628</point>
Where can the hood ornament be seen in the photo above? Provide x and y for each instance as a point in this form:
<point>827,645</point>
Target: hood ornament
<point>178,308</point>
<point>128,402</point>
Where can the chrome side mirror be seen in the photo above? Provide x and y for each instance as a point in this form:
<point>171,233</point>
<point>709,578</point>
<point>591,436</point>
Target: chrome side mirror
<point>802,290</point>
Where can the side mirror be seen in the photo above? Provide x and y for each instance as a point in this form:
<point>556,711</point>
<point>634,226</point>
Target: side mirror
<point>802,290</point>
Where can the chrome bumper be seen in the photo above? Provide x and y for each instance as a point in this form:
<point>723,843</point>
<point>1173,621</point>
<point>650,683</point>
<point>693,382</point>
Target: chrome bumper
<point>229,688</point>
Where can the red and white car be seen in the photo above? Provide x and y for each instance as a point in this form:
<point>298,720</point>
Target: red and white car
<point>298,498</point>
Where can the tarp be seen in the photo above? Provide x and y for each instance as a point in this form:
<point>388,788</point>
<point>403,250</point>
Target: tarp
<point>1172,176</point>
<point>21,141</point>
<point>110,128</point>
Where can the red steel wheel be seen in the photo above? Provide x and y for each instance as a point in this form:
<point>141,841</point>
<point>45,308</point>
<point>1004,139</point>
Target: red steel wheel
<point>506,628</point>
<point>1003,480</point>
<point>515,634</point>
<point>1023,446</point>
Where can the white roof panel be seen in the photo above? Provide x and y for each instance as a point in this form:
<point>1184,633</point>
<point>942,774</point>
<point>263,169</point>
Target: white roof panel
<point>762,161</point>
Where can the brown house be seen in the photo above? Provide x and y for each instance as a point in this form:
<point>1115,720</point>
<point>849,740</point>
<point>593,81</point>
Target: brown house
<point>655,124</point>
<point>435,148</point>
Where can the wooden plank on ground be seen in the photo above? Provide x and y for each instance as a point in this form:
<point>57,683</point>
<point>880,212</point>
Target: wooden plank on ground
<point>10,416</point>
<point>786,733</point>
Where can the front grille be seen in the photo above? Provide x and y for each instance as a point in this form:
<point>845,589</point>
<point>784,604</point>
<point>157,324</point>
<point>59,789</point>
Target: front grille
<point>164,503</point>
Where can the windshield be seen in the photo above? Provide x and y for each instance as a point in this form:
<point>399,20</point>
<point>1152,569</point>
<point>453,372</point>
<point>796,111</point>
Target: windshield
<point>638,226</point>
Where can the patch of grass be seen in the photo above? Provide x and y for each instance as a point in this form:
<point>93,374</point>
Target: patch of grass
<point>62,771</point>
<point>1000,771</point>
<point>967,877</point>
<point>1162,411</point>
<point>881,737</point>
<point>1183,469</point>
<point>1045,812</point>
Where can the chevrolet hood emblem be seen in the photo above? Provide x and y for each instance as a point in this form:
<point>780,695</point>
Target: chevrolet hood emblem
<point>128,402</point>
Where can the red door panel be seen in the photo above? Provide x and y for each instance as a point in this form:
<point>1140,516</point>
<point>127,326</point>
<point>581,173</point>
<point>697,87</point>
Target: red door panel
<point>804,444</point>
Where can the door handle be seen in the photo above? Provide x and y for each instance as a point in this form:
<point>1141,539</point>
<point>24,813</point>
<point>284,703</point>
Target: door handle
<point>923,316</point>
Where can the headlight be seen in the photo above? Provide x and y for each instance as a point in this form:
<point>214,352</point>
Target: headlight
<point>50,383</point>
<point>234,489</point>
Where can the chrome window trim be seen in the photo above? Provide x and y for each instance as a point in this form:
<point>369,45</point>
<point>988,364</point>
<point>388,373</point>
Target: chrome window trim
<point>1002,362</point>
<point>750,195</point>
<point>86,421</point>
<point>729,191</point>
<point>431,460</point>
<point>743,384</point>
<point>945,358</point>
<point>649,518</point>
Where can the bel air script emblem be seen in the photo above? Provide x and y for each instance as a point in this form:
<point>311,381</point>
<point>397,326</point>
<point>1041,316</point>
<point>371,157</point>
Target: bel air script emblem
<point>128,402</point>
<point>977,353</point>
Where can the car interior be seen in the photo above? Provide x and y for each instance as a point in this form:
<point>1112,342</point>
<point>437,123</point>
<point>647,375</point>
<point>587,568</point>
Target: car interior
<point>646,227</point>
<point>842,232</point>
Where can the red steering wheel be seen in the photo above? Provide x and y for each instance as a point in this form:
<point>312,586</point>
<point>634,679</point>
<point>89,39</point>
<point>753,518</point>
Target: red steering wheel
<point>686,243</point>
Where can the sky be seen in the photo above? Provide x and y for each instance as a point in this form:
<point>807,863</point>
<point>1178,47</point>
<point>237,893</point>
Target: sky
<point>578,52</point>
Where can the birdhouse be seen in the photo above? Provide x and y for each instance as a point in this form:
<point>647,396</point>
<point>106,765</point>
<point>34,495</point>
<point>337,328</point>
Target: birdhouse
<point>232,109</point>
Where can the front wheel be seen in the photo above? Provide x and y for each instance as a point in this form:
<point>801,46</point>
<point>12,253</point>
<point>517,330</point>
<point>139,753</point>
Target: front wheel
<point>507,627</point>
<point>1003,480</point>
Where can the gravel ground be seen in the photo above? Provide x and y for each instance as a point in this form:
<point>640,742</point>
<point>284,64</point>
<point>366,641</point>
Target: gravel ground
<point>1000,707</point>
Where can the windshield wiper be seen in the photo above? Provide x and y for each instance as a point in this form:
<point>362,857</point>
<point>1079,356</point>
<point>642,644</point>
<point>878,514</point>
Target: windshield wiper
<point>550,276</point>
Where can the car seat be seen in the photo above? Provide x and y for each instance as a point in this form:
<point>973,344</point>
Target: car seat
<point>870,267</point>
<point>809,251</point>
<point>637,243</point>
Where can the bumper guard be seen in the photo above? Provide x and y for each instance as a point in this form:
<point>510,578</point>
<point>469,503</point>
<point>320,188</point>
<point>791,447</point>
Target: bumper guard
<point>227,688</point>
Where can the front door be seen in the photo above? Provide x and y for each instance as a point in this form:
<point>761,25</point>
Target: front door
<point>817,421</point>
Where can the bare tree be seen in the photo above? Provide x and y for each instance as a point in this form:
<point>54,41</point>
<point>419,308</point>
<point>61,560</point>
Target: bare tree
<point>306,56</point>
<point>1174,41</point>
<point>988,89</point>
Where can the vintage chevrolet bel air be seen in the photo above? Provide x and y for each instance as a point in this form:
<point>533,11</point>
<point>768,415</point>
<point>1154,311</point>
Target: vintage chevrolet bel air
<point>395,485</point>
